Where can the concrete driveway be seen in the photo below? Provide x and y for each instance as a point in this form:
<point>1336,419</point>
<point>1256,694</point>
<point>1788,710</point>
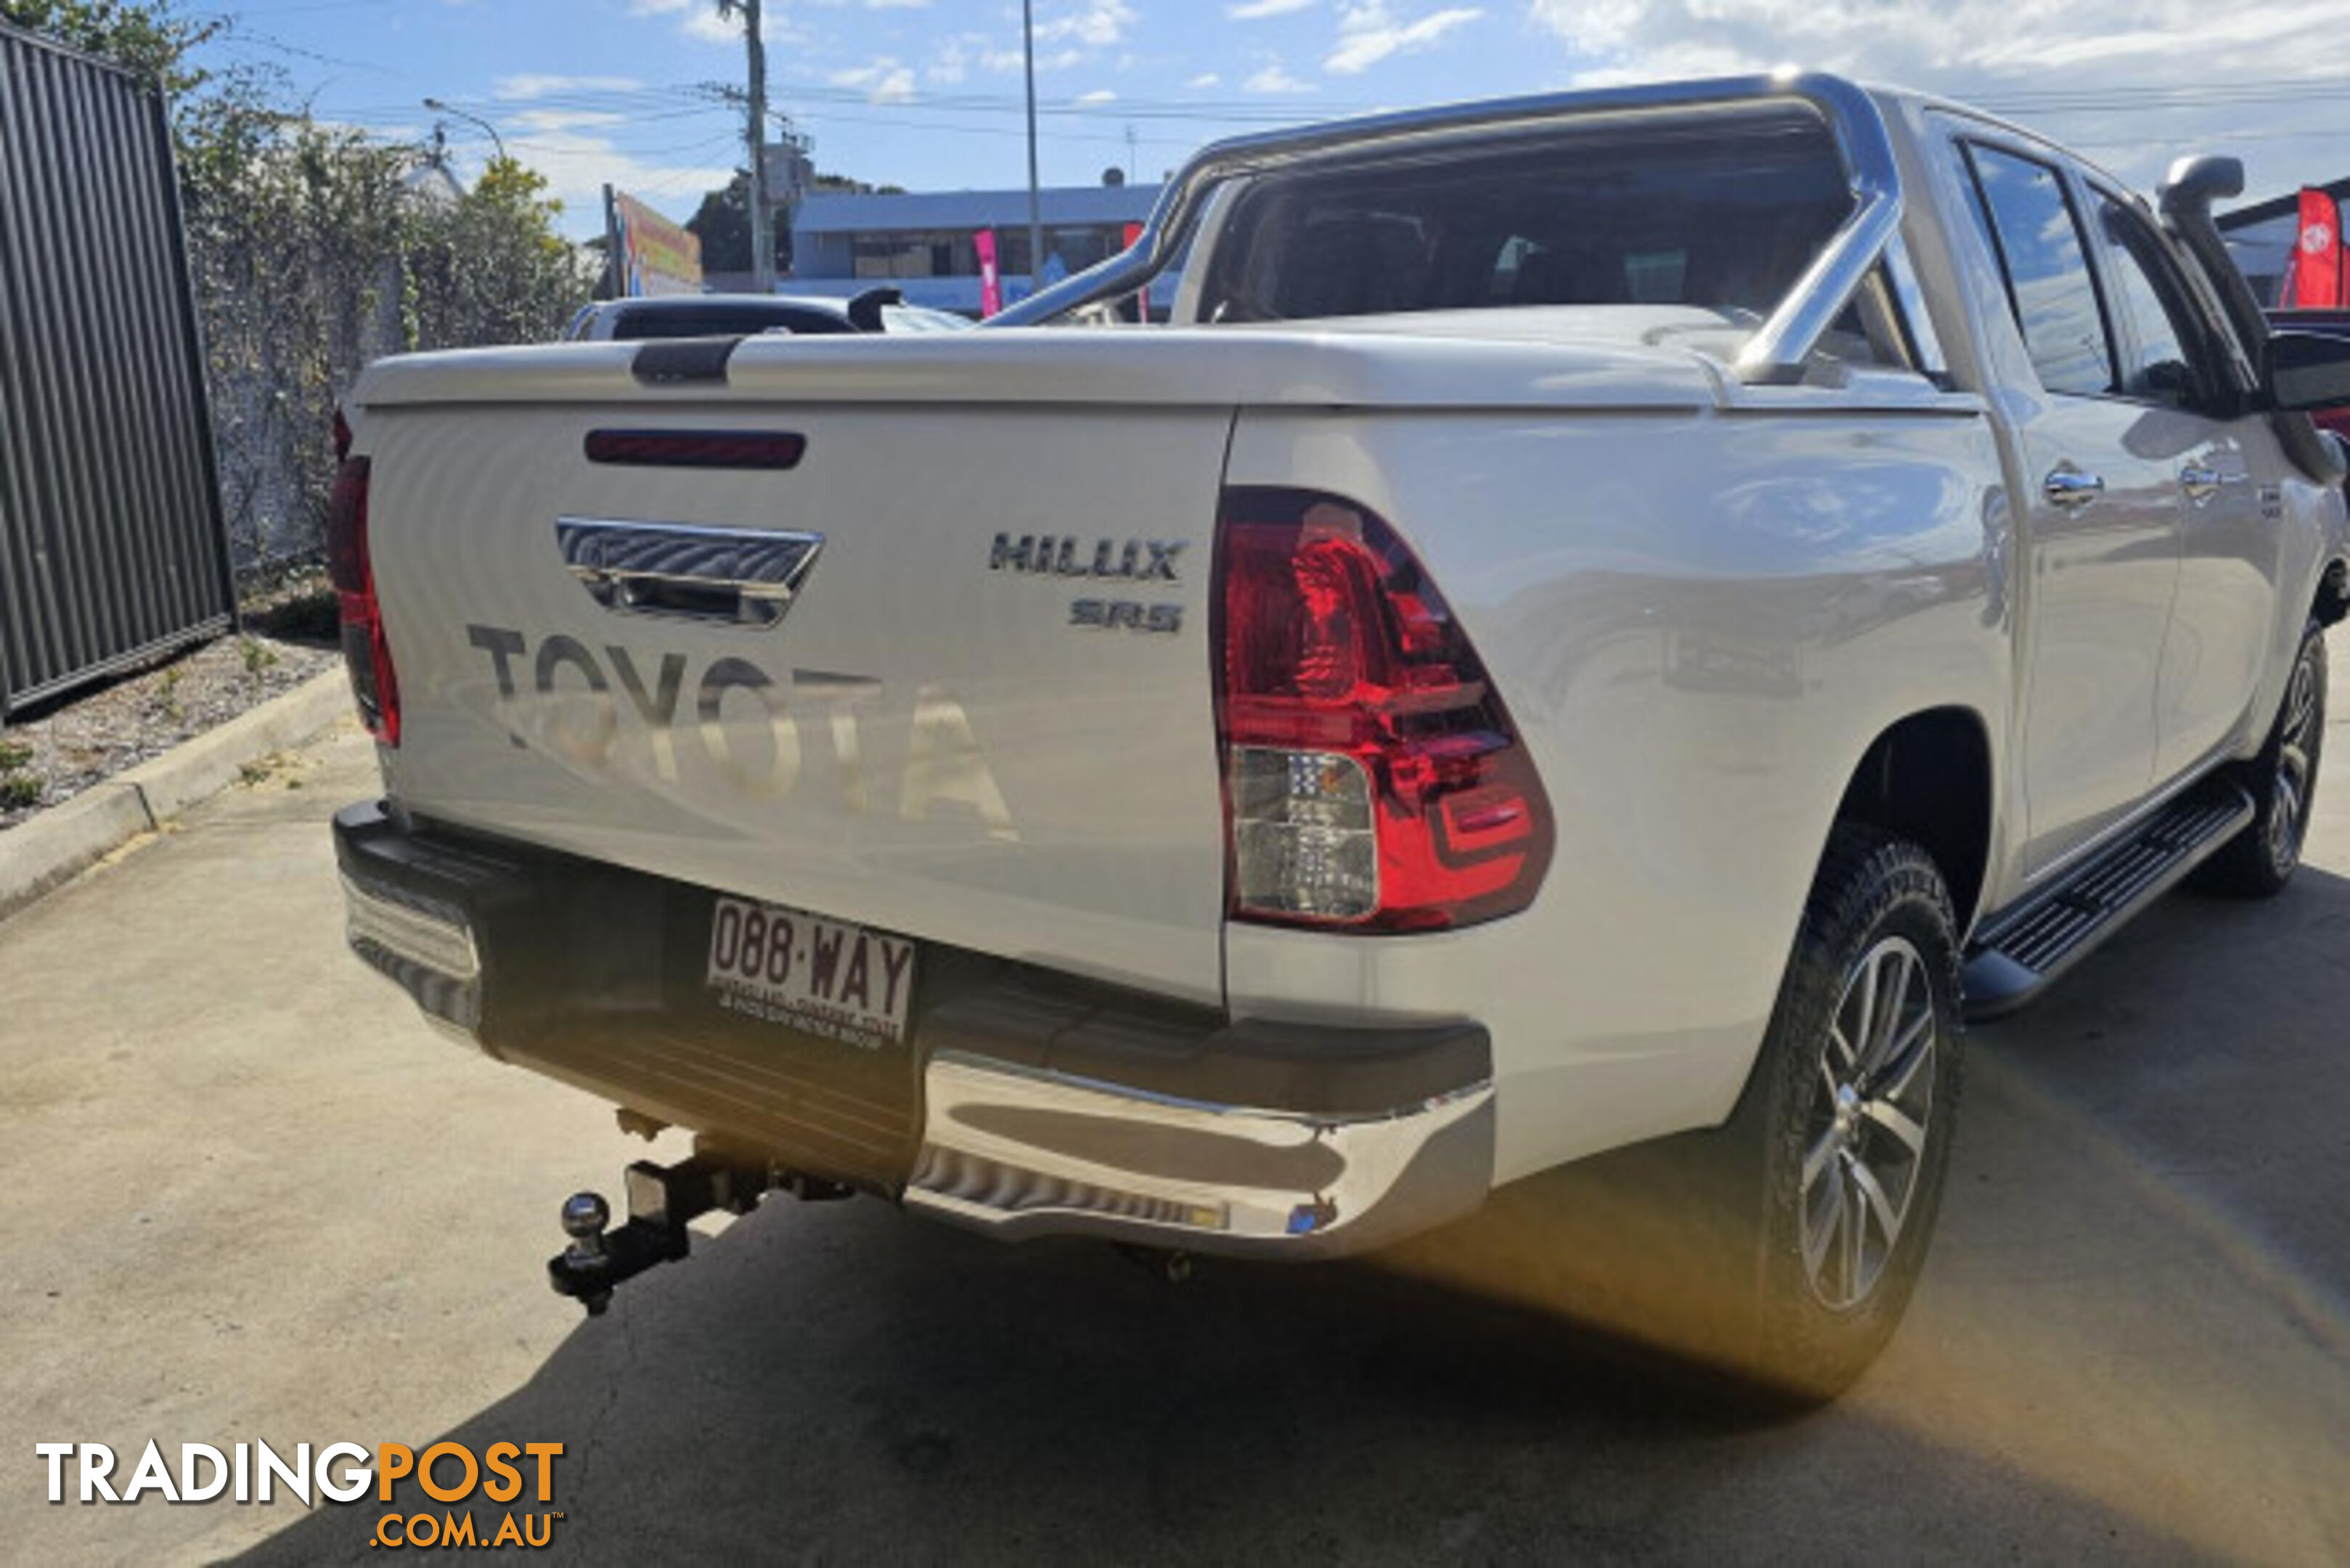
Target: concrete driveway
<point>252,1196</point>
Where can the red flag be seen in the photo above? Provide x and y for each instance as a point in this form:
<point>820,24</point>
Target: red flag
<point>991,283</point>
<point>1143,299</point>
<point>2317,254</point>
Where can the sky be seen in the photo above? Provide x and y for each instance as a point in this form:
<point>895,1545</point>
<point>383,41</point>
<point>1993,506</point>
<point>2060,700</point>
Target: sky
<point>927,93</point>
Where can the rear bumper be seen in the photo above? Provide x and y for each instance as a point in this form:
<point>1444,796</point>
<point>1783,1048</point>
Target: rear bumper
<point>1024,1102</point>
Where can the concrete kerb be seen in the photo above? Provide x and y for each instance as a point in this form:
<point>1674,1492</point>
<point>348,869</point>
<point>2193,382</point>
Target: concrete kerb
<point>52,847</point>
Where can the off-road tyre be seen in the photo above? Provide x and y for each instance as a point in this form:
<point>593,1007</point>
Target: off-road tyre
<point>2283,782</point>
<point>1810,1332</point>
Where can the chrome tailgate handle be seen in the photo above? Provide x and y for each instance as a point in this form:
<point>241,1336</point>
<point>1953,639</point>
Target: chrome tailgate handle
<point>684,571</point>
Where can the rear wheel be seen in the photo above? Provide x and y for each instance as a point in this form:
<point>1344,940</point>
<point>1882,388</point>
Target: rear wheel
<point>1782,1248</point>
<point>1852,1105</point>
<point>2282,781</point>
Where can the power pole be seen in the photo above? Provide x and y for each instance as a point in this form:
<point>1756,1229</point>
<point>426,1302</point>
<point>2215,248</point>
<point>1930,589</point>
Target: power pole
<point>763,218</point>
<point>1035,202</point>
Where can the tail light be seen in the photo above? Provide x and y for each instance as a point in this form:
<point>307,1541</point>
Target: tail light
<point>1373,780</point>
<point>365,652</point>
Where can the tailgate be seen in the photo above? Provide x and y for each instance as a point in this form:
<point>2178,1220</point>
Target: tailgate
<point>942,734</point>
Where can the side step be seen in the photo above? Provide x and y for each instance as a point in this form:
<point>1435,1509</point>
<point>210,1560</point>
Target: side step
<point>2023,951</point>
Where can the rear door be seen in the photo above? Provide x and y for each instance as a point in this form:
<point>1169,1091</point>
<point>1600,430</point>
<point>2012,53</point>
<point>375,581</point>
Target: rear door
<point>2101,513</point>
<point>2223,616</point>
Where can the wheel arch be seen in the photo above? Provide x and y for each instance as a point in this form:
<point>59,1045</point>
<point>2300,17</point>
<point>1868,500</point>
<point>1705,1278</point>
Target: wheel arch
<point>1927,778</point>
<point>2333,599</point>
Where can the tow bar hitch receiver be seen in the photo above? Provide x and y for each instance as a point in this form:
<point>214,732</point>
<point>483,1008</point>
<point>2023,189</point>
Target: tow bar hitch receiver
<point>661,1199</point>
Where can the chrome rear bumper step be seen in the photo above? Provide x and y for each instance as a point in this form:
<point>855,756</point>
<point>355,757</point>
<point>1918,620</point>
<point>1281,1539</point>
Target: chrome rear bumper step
<point>2024,951</point>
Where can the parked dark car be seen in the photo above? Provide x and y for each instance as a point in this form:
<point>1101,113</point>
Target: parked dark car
<point>741,314</point>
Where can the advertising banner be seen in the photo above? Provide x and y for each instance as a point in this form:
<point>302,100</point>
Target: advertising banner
<point>2316,281</point>
<point>656,256</point>
<point>991,281</point>
<point>1143,299</point>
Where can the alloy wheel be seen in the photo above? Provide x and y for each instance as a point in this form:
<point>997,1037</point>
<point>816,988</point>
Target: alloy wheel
<point>1865,1140</point>
<point>2296,742</point>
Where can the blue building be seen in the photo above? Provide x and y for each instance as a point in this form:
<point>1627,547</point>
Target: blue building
<point>925,242</point>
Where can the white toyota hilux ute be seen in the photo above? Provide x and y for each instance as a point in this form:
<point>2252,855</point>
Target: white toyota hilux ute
<point>1608,617</point>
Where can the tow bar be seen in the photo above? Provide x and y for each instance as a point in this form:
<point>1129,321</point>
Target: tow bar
<point>661,1201</point>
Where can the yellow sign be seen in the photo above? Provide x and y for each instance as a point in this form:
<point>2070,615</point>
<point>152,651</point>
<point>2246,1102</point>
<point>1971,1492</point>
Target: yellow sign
<point>656,256</point>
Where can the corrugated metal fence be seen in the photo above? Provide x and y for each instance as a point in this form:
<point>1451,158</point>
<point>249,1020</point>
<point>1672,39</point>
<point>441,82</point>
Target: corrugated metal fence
<point>111,543</point>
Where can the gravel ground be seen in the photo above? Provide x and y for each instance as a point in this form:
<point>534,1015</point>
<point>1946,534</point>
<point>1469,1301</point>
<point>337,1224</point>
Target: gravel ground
<point>65,750</point>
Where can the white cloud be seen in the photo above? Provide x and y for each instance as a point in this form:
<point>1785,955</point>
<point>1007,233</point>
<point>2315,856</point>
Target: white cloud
<point>535,120</point>
<point>1204,79</point>
<point>531,85</point>
<point>2032,59</point>
<point>703,21</point>
<point>1099,96</point>
<point>885,80</point>
<point>1097,24</point>
<point>2189,40</point>
<point>1274,78</point>
<point>579,164</point>
<point>953,62</point>
<point>1371,32</point>
<point>1258,10</point>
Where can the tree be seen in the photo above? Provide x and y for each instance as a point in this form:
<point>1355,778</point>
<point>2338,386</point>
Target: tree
<point>150,38</point>
<point>723,224</point>
<point>490,267</point>
<point>312,249</point>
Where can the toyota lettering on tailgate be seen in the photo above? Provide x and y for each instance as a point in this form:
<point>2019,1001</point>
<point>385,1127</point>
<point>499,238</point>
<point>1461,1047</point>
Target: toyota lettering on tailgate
<point>584,705</point>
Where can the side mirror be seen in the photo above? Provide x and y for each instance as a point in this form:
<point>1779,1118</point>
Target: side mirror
<point>2306,369</point>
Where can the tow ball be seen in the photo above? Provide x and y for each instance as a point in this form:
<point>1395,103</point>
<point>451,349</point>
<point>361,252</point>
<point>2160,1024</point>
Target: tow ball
<point>661,1199</point>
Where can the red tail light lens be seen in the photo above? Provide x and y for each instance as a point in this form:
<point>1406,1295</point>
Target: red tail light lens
<point>1373,779</point>
<point>365,653</point>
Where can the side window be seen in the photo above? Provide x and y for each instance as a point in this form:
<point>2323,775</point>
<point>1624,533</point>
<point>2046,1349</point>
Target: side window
<point>2159,366</point>
<point>2039,245</point>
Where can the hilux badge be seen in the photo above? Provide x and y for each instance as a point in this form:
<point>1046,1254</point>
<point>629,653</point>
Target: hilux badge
<point>1099,560</point>
<point>1066,555</point>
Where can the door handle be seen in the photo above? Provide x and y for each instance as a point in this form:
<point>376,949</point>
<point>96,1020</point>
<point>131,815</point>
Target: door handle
<point>2070,488</point>
<point>2201,482</point>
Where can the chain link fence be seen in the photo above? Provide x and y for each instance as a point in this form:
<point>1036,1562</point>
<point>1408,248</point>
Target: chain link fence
<point>315,250</point>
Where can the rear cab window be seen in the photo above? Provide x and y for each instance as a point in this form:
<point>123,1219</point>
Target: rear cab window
<point>1722,212</point>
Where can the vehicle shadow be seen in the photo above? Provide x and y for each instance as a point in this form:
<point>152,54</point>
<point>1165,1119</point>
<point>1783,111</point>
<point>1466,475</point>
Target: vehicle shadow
<point>2092,1369</point>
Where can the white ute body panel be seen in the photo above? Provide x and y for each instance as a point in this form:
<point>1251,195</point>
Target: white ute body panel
<point>1701,596</point>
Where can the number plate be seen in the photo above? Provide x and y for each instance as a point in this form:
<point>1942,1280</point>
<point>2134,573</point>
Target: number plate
<point>822,977</point>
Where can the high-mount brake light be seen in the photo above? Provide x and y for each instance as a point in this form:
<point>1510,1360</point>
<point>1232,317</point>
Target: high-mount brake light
<point>1373,779</point>
<point>365,653</point>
